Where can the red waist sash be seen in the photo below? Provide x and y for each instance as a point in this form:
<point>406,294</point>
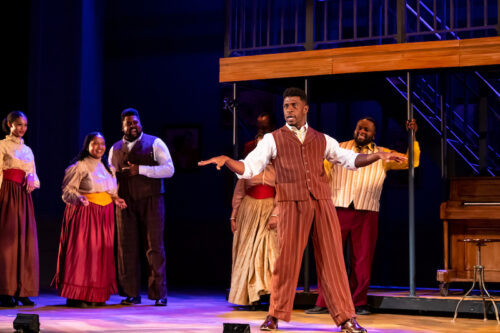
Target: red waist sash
<point>15,175</point>
<point>261,191</point>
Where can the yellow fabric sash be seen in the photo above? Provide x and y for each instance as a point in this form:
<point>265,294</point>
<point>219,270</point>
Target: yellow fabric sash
<point>99,198</point>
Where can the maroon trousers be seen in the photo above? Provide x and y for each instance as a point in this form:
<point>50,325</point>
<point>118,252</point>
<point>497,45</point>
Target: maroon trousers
<point>296,220</point>
<point>361,227</point>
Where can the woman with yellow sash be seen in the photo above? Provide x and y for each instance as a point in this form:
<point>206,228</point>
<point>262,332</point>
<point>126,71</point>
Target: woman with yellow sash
<point>86,264</point>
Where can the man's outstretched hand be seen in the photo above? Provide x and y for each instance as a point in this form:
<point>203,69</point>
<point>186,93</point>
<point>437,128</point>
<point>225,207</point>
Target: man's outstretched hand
<point>223,160</point>
<point>219,161</point>
<point>394,156</point>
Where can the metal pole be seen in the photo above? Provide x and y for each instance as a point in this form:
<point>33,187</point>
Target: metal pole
<point>306,251</point>
<point>235,124</point>
<point>483,133</point>
<point>444,135</point>
<point>411,190</point>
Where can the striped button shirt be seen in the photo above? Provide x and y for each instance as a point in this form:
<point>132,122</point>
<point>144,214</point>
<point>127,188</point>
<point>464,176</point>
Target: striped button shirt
<point>363,187</point>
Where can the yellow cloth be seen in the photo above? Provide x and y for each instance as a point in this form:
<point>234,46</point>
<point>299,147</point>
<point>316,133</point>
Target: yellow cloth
<point>99,198</point>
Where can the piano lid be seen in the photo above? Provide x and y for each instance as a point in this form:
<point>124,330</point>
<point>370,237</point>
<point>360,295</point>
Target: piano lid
<point>470,190</point>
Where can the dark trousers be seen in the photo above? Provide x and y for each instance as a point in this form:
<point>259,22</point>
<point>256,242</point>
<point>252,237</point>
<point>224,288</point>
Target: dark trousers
<point>140,227</point>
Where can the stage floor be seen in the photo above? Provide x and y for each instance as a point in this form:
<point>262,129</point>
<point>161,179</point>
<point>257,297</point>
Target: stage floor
<point>201,311</point>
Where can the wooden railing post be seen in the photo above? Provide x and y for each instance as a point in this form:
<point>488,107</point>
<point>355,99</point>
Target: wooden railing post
<point>498,17</point>
<point>309,45</point>
<point>227,34</point>
<point>401,21</point>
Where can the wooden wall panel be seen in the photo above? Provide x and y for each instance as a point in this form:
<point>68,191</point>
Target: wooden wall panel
<point>408,56</point>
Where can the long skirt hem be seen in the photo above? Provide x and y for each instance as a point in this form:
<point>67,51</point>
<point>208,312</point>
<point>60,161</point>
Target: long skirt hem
<point>255,249</point>
<point>89,294</point>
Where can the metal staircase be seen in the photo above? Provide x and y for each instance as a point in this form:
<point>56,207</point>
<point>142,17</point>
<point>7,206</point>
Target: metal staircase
<point>469,130</point>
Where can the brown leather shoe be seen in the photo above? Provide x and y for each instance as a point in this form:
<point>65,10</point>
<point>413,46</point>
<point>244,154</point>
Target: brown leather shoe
<point>352,326</point>
<point>270,324</point>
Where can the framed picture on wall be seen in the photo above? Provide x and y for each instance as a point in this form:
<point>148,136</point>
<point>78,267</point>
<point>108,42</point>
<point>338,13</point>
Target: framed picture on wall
<point>183,142</point>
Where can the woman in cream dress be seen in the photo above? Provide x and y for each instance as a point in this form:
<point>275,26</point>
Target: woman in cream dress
<point>255,243</point>
<point>18,237</point>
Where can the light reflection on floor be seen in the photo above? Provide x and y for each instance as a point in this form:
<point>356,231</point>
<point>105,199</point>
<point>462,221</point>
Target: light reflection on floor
<point>197,311</point>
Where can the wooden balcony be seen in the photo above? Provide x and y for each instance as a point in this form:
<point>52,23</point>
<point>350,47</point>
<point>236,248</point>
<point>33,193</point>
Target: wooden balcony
<point>363,59</point>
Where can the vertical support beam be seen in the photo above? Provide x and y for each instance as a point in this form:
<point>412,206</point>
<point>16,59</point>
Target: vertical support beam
<point>227,33</point>
<point>444,135</point>
<point>235,123</point>
<point>306,251</point>
<point>309,25</point>
<point>444,160</point>
<point>411,189</point>
<point>401,21</point>
<point>483,133</point>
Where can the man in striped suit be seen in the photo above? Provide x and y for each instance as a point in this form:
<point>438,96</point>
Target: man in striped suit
<point>356,196</point>
<point>304,197</point>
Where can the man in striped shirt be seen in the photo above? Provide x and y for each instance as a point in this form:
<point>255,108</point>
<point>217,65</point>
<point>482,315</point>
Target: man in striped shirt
<point>356,196</point>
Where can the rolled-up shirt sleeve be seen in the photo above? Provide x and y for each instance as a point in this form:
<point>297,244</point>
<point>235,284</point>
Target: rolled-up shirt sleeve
<point>257,159</point>
<point>165,167</point>
<point>335,154</point>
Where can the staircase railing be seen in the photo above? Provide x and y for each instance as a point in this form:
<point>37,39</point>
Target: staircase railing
<point>464,139</point>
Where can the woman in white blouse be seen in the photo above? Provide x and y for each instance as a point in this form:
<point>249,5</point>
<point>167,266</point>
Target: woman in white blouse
<point>18,237</point>
<point>86,264</point>
<point>255,242</point>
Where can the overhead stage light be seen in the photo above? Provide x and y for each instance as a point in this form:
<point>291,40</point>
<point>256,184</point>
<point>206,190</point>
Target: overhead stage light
<point>236,328</point>
<point>27,323</point>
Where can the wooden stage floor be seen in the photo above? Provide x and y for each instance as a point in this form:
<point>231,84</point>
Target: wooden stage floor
<point>200,311</point>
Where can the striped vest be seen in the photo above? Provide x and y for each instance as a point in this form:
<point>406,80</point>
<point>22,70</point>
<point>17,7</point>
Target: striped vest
<point>299,166</point>
<point>362,187</point>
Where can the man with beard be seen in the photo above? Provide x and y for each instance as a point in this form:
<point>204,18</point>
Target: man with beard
<point>356,196</point>
<point>141,162</point>
<point>297,152</point>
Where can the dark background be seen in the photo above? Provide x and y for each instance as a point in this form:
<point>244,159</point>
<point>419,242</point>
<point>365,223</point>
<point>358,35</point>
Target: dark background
<point>72,66</point>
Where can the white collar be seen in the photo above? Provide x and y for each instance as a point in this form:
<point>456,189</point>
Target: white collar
<point>293,128</point>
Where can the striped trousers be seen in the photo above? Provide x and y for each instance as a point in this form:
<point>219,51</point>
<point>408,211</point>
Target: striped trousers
<point>296,220</point>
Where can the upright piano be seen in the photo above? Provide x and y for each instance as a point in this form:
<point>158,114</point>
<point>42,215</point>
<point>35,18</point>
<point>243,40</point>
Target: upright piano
<point>473,211</point>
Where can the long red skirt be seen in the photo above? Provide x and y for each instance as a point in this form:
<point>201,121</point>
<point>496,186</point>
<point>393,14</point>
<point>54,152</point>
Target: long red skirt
<point>86,263</point>
<point>18,242</point>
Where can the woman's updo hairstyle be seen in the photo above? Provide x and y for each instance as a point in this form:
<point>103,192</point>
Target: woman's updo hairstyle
<point>11,117</point>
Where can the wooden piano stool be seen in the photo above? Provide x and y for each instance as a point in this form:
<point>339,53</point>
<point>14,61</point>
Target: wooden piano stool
<point>473,211</point>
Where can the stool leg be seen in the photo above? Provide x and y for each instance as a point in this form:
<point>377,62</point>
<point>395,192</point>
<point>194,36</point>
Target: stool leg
<point>466,294</point>
<point>482,289</point>
<point>490,298</point>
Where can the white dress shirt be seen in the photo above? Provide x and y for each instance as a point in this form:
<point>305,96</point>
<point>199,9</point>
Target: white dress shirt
<point>161,154</point>
<point>265,151</point>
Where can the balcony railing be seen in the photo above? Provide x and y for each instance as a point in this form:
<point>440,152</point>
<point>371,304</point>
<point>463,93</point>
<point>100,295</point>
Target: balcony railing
<point>271,26</point>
